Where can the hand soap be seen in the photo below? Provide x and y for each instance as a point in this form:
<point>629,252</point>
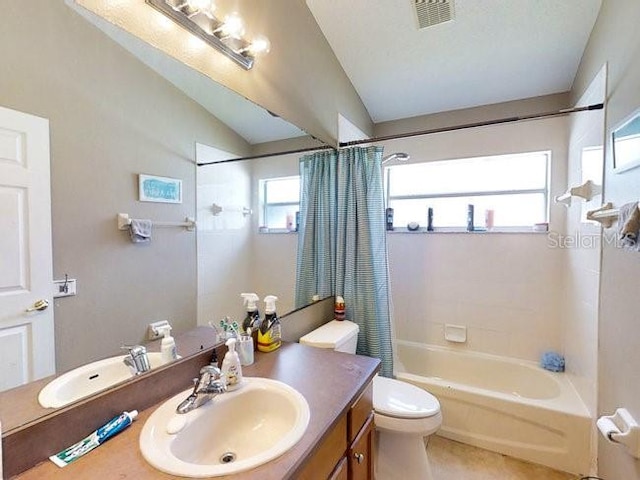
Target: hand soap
<point>231,368</point>
<point>168,350</point>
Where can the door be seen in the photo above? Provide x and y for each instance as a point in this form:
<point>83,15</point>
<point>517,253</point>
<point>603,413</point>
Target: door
<point>26,272</point>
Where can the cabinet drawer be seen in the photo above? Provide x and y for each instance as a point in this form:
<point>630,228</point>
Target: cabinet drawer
<point>360,411</point>
<point>331,450</point>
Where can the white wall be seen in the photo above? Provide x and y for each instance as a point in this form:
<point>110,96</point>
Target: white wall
<point>224,240</point>
<point>505,287</point>
<point>616,41</point>
<point>582,275</point>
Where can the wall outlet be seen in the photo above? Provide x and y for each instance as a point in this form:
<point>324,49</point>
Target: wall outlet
<point>154,329</point>
<point>64,288</point>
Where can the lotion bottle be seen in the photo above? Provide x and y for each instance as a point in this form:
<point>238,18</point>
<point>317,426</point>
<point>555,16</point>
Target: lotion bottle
<point>231,368</point>
<point>168,346</point>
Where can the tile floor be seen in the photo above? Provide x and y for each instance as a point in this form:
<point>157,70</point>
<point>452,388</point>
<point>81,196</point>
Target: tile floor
<point>456,461</point>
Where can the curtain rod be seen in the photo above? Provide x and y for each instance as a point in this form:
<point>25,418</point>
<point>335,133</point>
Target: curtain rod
<point>557,113</point>
<point>267,155</point>
<point>566,111</point>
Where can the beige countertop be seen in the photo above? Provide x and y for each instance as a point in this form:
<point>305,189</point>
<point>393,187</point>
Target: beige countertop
<point>330,381</point>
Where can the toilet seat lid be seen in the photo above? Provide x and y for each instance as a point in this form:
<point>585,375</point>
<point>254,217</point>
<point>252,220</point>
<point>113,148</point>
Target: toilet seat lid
<point>401,399</point>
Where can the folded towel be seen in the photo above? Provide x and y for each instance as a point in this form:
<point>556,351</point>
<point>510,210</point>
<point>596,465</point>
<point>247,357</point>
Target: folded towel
<point>629,226</point>
<point>552,361</point>
<point>140,231</point>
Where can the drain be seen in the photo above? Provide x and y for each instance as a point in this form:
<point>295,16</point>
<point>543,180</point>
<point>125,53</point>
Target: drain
<point>227,457</point>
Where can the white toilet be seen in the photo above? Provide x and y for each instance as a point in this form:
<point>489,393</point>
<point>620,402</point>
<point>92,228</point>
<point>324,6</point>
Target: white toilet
<point>403,413</point>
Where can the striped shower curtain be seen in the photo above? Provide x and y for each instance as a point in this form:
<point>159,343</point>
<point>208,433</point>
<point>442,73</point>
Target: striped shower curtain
<point>342,242</point>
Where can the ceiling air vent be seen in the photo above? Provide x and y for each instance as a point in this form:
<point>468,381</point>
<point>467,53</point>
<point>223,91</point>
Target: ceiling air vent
<point>433,12</point>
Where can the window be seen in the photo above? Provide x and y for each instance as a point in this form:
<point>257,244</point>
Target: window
<point>515,187</point>
<point>279,201</point>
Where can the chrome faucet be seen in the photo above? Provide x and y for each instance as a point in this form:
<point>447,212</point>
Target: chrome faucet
<point>137,359</point>
<point>210,384</point>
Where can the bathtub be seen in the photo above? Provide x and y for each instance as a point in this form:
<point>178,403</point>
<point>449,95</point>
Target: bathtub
<point>506,405</point>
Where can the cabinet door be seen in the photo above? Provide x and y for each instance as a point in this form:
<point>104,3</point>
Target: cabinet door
<point>342,471</point>
<point>322,462</point>
<point>361,459</point>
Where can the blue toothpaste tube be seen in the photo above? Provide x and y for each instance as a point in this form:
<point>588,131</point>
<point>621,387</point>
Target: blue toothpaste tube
<point>95,439</point>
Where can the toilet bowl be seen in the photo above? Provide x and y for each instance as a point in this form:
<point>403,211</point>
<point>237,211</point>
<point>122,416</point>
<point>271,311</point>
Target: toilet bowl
<point>404,415</point>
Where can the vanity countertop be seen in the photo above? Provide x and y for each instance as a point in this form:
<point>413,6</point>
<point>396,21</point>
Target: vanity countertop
<point>330,381</point>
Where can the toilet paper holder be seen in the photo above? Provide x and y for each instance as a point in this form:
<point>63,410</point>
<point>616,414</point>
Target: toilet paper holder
<point>621,428</point>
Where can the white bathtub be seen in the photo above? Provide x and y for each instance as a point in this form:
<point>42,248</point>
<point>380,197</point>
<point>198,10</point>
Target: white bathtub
<point>505,405</point>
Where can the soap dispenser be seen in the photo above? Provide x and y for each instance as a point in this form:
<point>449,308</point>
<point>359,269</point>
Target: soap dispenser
<point>231,368</point>
<point>270,333</point>
<point>253,315</point>
<point>168,351</point>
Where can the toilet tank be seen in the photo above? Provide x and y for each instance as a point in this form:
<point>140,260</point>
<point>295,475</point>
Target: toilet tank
<point>342,336</point>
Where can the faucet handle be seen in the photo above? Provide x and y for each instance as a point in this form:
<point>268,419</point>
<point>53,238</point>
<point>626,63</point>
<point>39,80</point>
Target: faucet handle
<point>211,370</point>
<point>134,350</point>
<point>139,359</point>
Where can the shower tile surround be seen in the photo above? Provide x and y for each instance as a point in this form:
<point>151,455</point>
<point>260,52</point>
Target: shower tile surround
<point>506,288</point>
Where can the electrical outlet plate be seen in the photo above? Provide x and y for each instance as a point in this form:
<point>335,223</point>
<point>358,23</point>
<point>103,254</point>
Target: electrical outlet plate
<point>64,288</point>
<point>154,329</point>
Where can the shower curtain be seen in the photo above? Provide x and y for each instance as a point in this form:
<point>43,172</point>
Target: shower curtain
<point>342,242</point>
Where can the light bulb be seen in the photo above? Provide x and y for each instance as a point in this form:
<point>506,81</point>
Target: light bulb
<point>233,26</point>
<point>260,45</point>
<point>202,6</point>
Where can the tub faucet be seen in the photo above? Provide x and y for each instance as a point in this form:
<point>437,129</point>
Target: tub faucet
<point>137,358</point>
<point>210,384</point>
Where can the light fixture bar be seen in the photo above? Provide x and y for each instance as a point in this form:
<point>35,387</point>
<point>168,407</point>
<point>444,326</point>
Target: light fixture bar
<point>183,20</point>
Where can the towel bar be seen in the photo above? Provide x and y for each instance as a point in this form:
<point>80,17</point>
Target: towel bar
<point>124,220</point>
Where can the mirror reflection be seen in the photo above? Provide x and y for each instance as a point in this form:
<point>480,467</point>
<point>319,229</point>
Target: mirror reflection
<point>110,118</point>
<point>626,143</point>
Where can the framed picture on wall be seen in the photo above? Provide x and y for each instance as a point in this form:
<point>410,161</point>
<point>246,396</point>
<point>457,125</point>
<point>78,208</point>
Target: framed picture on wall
<point>152,188</point>
<point>625,139</point>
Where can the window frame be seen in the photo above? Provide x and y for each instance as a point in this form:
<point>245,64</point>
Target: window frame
<point>545,191</point>
<point>264,205</point>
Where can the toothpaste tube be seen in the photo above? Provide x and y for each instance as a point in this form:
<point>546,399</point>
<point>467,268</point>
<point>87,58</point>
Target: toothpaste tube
<point>95,439</point>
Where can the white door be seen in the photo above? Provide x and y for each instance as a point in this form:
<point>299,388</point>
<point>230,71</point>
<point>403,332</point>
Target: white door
<point>27,348</point>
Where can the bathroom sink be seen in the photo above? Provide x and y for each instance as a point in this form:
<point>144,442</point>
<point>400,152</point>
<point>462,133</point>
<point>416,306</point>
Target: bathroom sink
<point>234,432</point>
<point>89,379</point>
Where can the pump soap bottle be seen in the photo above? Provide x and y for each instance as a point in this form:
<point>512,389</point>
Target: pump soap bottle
<point>270,333</point>
<point>231,368</point>
<point>252,320</point>
<point>168,351</point>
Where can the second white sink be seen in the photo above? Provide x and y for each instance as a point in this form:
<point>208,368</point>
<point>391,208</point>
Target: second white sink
<point>89,379</point>
<point>234,432</point>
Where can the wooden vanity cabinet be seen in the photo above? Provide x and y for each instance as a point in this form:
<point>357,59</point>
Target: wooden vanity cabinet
<point>360,455</point>
<point>347,452</point>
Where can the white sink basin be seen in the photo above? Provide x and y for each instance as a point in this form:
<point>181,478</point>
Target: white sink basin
<point>89,379</point>
<point>234,432</point>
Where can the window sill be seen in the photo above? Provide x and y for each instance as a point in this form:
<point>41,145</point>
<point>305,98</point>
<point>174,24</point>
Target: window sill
<point>452,230</point>
<point>268,231</point>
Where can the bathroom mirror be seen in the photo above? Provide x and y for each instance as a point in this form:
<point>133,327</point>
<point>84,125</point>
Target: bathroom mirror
<point>625,139</point>
<point>112,118</point>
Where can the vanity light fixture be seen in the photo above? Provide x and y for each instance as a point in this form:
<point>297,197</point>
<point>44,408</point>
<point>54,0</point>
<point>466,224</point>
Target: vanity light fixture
<point>225,34</point>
